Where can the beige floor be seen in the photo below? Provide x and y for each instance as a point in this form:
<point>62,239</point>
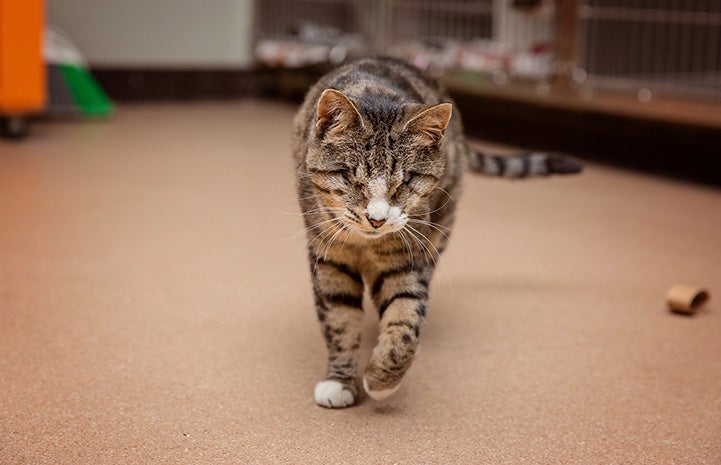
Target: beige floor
<point>155,310</point>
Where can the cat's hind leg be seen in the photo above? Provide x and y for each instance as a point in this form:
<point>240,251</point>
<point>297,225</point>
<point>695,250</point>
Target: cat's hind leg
<point>338,298</point>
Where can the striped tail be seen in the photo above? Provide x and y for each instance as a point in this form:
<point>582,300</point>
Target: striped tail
<point>523,165</point>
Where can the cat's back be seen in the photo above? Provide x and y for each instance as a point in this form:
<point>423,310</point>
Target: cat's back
<point>384,77</point>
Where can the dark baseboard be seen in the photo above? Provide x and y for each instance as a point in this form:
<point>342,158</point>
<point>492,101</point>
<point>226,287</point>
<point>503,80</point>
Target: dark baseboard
<point>147,84</point>
<point>653,146</point>
<point>150,84</point>
<point>677,150</point>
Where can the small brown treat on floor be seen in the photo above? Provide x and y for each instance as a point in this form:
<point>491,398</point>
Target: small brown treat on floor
<point>685,298</point>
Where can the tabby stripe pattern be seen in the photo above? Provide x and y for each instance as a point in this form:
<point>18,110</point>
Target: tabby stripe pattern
<point>340,267</point>
<point>419,295</point>
<point>522,165</point>
<point>338,291</point>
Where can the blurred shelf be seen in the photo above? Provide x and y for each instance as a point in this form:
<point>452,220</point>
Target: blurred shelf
<point>664,108</point>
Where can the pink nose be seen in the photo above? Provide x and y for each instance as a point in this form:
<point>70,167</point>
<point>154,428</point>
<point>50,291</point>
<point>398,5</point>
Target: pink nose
<point>376,223</point>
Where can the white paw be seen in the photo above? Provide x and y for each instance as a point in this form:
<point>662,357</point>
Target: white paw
<point>380,394</point>
<point>332,394</point>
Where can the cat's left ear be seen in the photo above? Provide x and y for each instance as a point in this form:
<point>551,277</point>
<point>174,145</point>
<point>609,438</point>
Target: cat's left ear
<point>336,113</point>
<point>432,122</point>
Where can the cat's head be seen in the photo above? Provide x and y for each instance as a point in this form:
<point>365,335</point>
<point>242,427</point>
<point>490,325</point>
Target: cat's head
<point>375,163</point>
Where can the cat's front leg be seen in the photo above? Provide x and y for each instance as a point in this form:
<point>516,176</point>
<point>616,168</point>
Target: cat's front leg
<point>401,296</point>
<point>338,293</point>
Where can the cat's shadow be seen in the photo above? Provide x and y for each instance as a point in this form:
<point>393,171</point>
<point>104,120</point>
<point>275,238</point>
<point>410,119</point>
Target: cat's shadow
<point>383,409</point>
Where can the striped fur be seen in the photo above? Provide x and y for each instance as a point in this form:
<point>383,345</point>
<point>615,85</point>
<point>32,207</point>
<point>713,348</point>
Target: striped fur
<point>522,165</point>
<point>380,153</point>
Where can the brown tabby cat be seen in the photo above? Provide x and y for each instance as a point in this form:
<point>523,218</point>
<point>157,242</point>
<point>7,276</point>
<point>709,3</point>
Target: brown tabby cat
<point>379,162</point>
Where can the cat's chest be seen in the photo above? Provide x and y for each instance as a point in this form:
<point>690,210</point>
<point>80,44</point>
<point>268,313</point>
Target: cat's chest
<point>384,254</point>
<point>372,256</point>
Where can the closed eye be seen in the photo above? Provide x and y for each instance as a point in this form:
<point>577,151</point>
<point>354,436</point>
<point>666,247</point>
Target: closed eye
<point>327,189</point>
<point>345,173</point>
<point>420,183</point>
<point>342,170</point>
<point>411,175</point>
<point>331,181</point>
<point>332,175</point>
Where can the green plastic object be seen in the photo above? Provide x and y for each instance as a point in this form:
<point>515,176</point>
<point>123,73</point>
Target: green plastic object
<point>89,97</point>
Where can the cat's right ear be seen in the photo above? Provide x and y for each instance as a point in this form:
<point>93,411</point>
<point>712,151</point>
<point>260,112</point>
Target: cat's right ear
<point>336,114</point>
<point>432,122</point>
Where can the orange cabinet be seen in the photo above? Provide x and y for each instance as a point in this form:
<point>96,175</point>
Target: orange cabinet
<point>22,67</point>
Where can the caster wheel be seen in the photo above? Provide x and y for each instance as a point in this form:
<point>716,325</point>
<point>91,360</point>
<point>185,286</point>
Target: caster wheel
<point>14,127</point>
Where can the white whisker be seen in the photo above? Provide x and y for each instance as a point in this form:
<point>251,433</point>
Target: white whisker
<point>438,227</point>
<point>314,225</point>
<point>439,260</point>
<point>327,231</point>
<point>408,246</point>
<point>426,251</point>
<point>332,239</point>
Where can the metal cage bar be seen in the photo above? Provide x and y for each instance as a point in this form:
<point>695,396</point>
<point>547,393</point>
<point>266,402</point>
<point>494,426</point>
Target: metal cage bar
<point>513,37</point>
<point>650,46</point>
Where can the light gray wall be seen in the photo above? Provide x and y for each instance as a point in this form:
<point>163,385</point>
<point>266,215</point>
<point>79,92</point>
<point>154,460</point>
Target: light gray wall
<point>158,33</point>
